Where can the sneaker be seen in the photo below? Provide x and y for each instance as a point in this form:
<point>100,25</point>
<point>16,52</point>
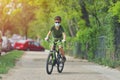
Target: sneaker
<point>64,58</point>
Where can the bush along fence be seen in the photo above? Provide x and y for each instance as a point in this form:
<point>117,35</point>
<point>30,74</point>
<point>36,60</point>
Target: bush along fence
<point>99,52</point>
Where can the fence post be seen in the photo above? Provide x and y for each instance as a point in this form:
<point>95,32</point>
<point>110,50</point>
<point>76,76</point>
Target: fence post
<point>76,50</point>
<point>101,49</point>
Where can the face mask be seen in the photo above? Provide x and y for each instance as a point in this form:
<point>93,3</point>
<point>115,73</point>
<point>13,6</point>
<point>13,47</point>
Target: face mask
<point>57,24</point>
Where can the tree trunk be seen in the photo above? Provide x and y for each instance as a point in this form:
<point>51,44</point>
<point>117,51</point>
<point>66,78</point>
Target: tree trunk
<point>84,12</point>
<point>72,28</point>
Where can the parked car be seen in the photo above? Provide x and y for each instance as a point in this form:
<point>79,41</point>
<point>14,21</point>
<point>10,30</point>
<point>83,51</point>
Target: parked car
<point>28,45</point>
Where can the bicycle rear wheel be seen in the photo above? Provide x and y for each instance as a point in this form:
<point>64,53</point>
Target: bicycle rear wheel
<point>60,63</point>
<point>49,64</point>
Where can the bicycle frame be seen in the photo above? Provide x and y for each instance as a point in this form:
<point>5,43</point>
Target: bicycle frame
<point>54,51</point>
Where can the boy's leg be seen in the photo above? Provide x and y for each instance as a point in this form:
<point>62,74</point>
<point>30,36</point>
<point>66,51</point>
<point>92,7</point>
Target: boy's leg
<point>62,53</point>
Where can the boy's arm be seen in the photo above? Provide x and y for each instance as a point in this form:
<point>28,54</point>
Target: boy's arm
<point>64,36</point>
<point>48,34</point>
<point>47,37</point>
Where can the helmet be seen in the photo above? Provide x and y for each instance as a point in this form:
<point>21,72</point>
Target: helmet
<point>58,18</point>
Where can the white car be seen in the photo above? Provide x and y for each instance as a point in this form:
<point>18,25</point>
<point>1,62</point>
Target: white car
<point>4,42</point>
<point>6,45</point>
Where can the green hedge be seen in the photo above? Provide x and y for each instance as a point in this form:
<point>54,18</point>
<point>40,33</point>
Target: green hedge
<point>8,61</point>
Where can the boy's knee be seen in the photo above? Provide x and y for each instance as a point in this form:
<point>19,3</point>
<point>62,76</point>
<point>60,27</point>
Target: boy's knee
<point>60,47</point>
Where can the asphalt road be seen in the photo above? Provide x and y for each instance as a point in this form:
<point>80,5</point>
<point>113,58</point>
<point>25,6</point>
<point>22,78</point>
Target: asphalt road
<point>32,67</point>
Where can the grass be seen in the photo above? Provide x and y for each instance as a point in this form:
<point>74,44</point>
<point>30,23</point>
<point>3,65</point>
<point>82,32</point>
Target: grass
<point>8,61</point>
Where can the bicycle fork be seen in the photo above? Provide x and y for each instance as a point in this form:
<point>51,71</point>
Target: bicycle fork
<point>53,58</point>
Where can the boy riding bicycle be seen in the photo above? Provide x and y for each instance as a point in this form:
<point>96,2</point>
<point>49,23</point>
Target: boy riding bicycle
<point>58,34</point>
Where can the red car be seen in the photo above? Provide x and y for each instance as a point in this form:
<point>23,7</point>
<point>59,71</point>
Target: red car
<point>28,45</point>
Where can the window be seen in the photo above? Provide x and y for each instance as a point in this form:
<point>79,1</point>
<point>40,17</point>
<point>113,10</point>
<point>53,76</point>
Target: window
<point>36,44</point>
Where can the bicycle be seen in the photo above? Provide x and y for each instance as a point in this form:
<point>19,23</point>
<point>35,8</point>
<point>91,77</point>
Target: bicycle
<point>54,58</point>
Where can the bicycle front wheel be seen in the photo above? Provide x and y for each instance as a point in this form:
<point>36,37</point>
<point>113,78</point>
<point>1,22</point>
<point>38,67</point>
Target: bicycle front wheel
<point>49,64</point>
<point>60,64</point>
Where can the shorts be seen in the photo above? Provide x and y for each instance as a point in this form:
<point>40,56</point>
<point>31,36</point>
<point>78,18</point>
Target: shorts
<point>59,44</point>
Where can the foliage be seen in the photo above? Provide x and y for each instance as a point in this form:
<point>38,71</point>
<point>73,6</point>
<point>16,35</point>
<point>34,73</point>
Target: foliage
<point>97,41</point>
<point>115,9</point>
<point>7,61</point>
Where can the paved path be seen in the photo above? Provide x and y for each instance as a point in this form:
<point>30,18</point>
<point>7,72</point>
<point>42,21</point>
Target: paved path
<point>32,67</point>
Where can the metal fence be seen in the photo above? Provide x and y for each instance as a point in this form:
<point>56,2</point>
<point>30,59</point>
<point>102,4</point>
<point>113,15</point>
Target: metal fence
<point>102,50</point>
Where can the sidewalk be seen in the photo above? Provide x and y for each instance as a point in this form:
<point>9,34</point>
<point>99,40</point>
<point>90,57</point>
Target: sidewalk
<point>32,67</point>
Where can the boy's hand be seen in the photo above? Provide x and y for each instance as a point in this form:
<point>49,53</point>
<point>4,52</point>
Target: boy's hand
<point>63,40</point>
<point>47,38</point>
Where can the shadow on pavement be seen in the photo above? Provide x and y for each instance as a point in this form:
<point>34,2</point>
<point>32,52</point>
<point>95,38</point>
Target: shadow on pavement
<point>74,73</point>
<point>0,78</point>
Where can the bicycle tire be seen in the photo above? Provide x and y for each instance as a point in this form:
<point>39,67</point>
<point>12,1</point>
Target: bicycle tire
<point>60,64</point>
<point>49,64</point>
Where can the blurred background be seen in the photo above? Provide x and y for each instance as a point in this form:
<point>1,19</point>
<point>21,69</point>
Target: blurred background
<point>92,26</point>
